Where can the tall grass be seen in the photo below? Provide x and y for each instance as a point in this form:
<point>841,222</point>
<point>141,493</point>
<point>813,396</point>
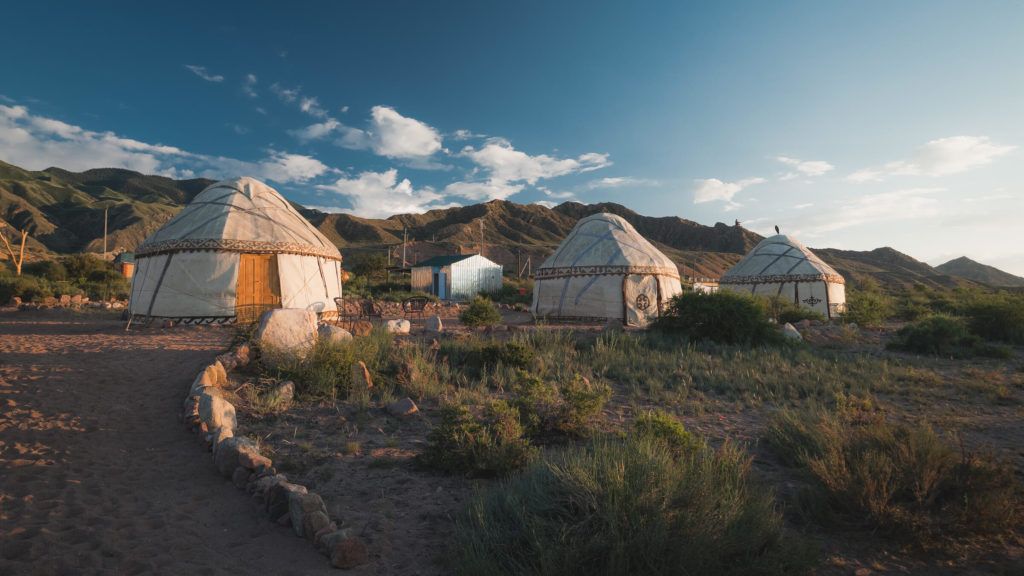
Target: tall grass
<point>901,478</point>
<point>326,372</point>
<point>628,507</point>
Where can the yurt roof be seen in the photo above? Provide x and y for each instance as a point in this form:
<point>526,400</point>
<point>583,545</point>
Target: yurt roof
<point>780,259</point>
<point>605,244</point>
<point>243,215</point>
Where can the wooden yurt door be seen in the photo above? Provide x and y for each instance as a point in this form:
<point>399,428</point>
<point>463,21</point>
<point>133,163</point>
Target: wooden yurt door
<point>259,286</point>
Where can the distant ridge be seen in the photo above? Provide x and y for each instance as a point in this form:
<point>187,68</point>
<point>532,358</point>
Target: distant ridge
<point>964,267</point>
<point>63,212</point>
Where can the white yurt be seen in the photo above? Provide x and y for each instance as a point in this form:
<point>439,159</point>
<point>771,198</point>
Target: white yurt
<point>238,249</point>
<point>605,270</point>
<point>782,266</point>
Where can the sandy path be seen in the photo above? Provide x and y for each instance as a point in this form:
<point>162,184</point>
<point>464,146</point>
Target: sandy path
<point>97,474</point>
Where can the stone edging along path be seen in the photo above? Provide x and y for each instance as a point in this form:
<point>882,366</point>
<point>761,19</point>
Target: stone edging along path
<point>209,414</point>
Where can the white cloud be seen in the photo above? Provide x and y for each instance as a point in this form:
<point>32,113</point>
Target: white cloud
<point>620,182</point>
<point>483,191</point>
<point>546,203</point>
<point>712,189</point>
<point>249,86</point>
<point>310,105</point>
<point>463,134</point>
<point>316,131</point>
<point>804,168</point>
<point>505,163</point>
<point>941,157</point>
<point>393,135</point>
<point>558,195</point>
<point>285,94</point>
<point>381,194</point>
<point>907,204</point>
<point>36,142</point>
<point>202,73</point>
<point>344,109</point>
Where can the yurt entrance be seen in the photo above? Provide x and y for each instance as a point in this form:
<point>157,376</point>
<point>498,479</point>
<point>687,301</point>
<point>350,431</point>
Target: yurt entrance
<point>259,287</point>
<point>641,300</point>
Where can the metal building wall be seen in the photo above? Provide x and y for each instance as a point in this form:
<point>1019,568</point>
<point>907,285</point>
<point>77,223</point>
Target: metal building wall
<point>471,276</point>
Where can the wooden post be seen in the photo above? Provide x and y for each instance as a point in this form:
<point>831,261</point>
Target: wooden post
<point>19,258</point>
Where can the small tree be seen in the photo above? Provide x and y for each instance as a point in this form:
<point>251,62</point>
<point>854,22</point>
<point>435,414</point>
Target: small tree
<point>481,312</point>
<point>18,258</point>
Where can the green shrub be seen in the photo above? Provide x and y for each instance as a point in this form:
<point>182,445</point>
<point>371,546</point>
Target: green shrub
<point>665,427</point>
<point>998,319</point>
<point>867,307</point>
<point>480,312</point>
<point>28,288</point>
<point>486,446</point>
<point>51,270</point>
<point>570,408</point>
<point>512,354</point>
<point>902,478</point>
<point>628,507</point>
<point>783,311</point>
<point>326,372</point>
<point>725,317</point>
<point>514,291</point>
<point>942,336</point>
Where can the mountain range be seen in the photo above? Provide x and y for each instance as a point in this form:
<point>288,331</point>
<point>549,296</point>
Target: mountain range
<point>63,212</point>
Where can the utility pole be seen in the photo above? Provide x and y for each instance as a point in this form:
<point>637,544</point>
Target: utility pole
<point>481,251</point>
<point>105,210</point>
<point>405,240</point>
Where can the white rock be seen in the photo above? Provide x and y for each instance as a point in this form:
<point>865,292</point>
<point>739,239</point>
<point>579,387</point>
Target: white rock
<point>434,324</point>
<point>399,326</point>
<point>286,334</point>
<point>790,332</point>
<point>334,333</point>
<point>403,407</point>
<point>216,412</point>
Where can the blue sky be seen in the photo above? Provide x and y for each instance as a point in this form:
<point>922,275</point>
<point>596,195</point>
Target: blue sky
<point>850,125</point>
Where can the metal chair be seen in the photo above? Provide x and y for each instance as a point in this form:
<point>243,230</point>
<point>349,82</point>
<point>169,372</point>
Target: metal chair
<point>369,310</point>
<point>415,306</point>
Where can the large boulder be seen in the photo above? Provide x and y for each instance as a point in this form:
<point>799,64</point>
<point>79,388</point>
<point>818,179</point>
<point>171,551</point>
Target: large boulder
<point>791,333</point>
<point>215,411</point>
<point>399,326</point>
<point>286,334</point>
<point>331,333</point>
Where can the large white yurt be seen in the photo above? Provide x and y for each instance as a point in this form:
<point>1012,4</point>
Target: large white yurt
<point>238,249</point>
<point>782,266</point>
<point>605,270</point>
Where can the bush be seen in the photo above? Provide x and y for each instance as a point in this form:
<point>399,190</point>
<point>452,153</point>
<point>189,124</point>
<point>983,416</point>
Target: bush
<point>783,311</point>
<point>902,478</point>
<point>942,336</point>
<point>512,354</point>
<point>26,287</point>
<point>51,270</point>
<point>663,426</point>
<point>867,307</point>
<point>569,408</point>
<point>480,312</point>
<point>627,507</point>
<point>510,292</point>
<point>724,317</point>
<point>487,446</point>
<point>998,319</point>
<point>327,370</point>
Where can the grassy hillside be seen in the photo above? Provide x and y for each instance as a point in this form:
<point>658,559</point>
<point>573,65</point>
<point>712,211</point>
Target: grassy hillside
<point>967,268</point>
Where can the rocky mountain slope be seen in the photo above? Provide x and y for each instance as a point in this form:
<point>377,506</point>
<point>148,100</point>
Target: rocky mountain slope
<point>63,212</point>
<point>964,267</point>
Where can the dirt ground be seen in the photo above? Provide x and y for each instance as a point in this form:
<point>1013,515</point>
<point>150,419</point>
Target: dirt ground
<point>97,475</point>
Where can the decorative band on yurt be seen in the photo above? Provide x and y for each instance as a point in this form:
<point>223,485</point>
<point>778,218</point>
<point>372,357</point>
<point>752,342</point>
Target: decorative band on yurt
<point>782,278</point>
<point>242,246</point>
<point>572,271</point>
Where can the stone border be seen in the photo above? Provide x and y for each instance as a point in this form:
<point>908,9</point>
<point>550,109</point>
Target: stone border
<point>237,458</point>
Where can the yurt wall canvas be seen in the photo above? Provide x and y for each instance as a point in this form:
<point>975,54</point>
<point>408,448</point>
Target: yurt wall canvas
<point>781,266</point>
<point>238,249</point>
<point>605,269</point>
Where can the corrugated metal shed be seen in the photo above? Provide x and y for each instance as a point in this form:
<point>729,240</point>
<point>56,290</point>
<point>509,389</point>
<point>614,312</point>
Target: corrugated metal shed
<point>456,276</point>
